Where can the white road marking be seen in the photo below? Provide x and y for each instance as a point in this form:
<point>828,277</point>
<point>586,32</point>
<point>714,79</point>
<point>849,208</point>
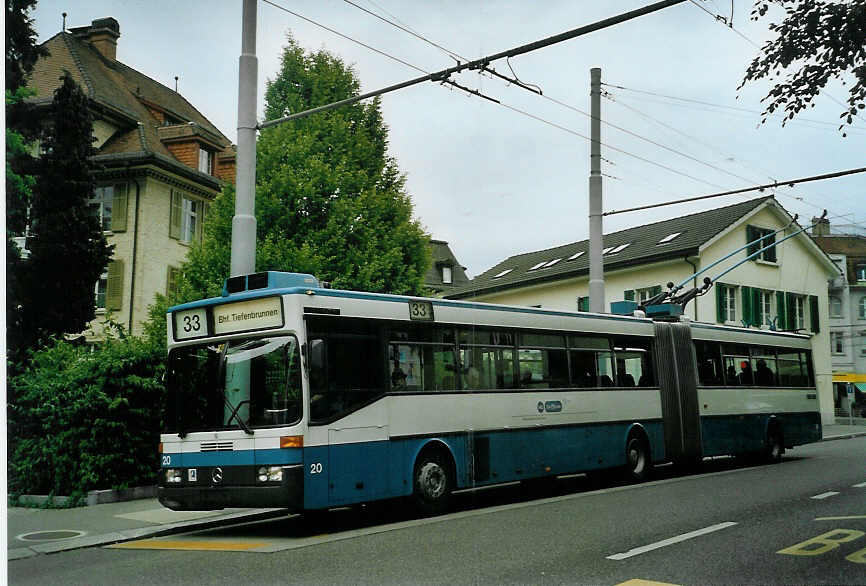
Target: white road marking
<point>671,541</point>
<point>861,485</point>
<point>824,495</point>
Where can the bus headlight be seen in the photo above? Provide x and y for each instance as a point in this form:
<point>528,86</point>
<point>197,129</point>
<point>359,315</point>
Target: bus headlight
<point>270,474</point>
<point>172,476</point>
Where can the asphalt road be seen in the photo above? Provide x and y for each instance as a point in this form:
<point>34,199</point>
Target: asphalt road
<point>799,522</point>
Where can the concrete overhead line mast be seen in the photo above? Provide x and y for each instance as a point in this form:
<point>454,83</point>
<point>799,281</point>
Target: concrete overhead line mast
<point>243,258</point>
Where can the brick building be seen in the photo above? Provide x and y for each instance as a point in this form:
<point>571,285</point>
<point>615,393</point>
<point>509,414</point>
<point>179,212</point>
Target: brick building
<point>159,162</point>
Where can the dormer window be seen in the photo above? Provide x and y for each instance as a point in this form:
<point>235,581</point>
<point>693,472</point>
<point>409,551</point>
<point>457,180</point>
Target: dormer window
<point>205,161</point>
<point>446,275</point>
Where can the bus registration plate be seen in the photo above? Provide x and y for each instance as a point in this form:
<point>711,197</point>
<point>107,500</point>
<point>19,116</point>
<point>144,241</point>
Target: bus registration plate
<point>421,310</point>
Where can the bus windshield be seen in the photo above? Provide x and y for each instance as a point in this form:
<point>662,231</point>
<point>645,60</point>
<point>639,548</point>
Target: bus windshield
<point>240,384</point>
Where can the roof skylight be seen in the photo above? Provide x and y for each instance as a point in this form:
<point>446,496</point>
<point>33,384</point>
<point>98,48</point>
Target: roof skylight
<point>576,255</point>
<point>606,250</point>
<point>537,266</point>
<point>620,248</point>
<point>502,273</point>
<point>669,237</point>
<point>553,262</point>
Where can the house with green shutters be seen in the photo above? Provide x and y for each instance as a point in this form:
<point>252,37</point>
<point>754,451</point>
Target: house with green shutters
<point>783,288</point>
<point>158,164</point>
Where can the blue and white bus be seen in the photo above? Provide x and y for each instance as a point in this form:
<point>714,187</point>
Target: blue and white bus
<point>283,393</point>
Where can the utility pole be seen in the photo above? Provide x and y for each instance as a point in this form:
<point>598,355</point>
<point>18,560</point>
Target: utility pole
<point>243,259</point>
<point>596,266</point>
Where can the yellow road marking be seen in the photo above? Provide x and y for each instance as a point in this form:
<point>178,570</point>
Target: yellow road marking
<point>639,582</point>
<point>190,545</point>
<point>823,543</point>
<point>840,518</point>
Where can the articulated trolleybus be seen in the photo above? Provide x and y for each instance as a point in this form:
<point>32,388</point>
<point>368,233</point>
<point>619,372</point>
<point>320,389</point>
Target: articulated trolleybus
<point>283,393</point>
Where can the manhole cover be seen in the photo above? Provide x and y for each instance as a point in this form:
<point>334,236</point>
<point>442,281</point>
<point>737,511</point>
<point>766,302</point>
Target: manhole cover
<point>51,535</point>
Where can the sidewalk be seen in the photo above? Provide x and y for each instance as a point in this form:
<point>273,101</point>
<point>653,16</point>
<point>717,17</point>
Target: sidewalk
<point>32,532</point>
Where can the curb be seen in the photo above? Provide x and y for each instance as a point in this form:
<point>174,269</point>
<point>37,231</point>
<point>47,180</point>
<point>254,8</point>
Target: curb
<point>20,553</point>
<point>850,435</point>
<point>94,497</point>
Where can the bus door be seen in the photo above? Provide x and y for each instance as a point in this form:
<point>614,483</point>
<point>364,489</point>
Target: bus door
<point>679,394</point>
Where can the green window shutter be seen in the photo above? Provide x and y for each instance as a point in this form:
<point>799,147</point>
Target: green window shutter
<point>790,310</point>
<point>119,208</point>
<point>583,303</point>
<point>720,303</point>
<point>757,308</point>
<point>770,254</point>
<point>748,307</point>
<point>813,313</point>
<point>114,286</point>
<point>628,295</point>
<point>655,290</point>
<point>205,210</point>
<point>171,280</point>
<point>175,215</point>
<point>752,234</point>
<point>781,313</point>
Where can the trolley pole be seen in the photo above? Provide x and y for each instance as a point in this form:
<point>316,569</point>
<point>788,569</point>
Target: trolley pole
<point>243,257</point>
<point>596,266</point>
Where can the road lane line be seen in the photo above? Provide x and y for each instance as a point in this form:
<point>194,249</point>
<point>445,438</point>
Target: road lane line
<point>640,582</point>
<point>670,541</point>
<point>189,545</point>
<point>849,518</point>
<point>825,495</point>
<point>861,485</point>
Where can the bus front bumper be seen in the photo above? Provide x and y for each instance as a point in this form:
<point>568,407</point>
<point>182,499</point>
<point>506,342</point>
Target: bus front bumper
<point>208,495</point>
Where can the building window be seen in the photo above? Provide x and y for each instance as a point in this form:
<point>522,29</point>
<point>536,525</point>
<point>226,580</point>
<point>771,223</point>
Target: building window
<point>729,304</point>
<point>836,343</point>
<point>583,303</point>
<point>100,290</point>
<point>860,272</point>
<point>205,161</point>
<point>835,307</point>
<point>799,312</point>
<point>446,275</point>
<point>861,308</point>
<point>187,218</point>
<point>100,205</point>
<point>171,282</point>
<point>767,237</point>
<point>765,304</point>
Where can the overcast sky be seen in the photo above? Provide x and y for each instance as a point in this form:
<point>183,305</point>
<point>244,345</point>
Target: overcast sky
<point>494,182</point>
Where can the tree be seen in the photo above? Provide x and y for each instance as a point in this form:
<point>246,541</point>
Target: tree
<point>22,51</point>
<point>22,127</point>
<point>330,201</point>
<point>818,40</point>
<point>68,251</point>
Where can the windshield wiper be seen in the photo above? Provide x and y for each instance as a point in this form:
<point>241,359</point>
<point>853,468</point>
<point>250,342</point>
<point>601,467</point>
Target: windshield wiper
<point>237,417</point>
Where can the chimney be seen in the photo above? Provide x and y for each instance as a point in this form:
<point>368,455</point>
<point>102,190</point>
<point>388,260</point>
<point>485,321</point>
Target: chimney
<point>821,227</point>
<point>102,34</point>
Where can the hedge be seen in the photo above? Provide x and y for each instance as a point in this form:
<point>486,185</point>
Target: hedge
<point>85,417</point>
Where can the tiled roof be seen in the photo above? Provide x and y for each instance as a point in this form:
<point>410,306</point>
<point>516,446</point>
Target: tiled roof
<point>633,246</point>
<point>122,92</point>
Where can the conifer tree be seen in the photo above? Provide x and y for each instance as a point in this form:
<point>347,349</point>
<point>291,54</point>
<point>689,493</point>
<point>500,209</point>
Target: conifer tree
<point>68,251</point>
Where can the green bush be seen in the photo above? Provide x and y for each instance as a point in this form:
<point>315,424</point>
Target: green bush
<point>85,417</point>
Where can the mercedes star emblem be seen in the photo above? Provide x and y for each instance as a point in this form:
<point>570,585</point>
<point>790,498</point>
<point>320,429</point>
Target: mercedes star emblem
<point>217,475</point>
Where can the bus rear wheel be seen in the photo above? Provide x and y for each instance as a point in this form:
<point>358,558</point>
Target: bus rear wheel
<point>433,483</point>
<point>638,460</point>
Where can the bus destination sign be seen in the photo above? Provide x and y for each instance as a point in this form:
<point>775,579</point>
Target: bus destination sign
<point>420,310</point>
<point>191,323</point>
<point>248,315</point>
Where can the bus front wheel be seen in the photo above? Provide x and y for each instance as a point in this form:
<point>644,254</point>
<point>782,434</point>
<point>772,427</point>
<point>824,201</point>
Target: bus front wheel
<point>433,483</point>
